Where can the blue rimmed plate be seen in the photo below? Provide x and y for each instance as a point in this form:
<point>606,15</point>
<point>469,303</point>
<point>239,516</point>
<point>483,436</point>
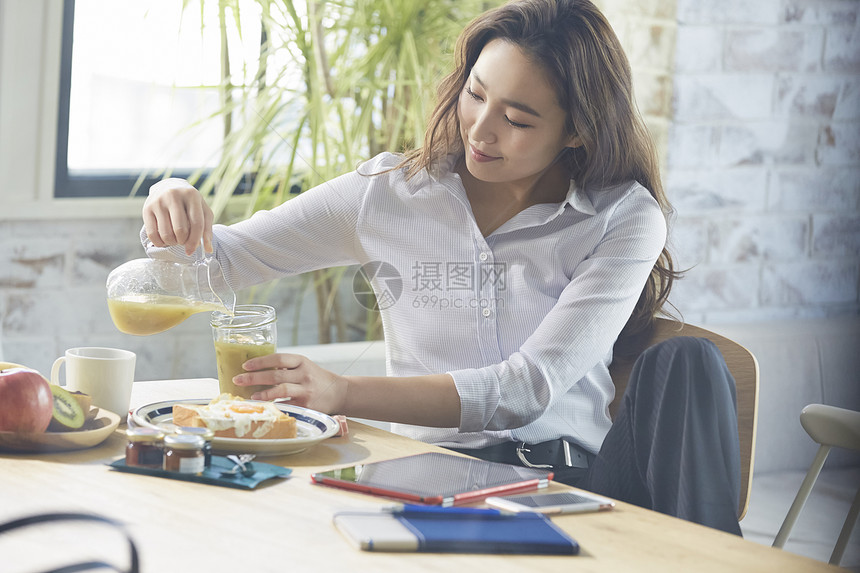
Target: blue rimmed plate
<point>312,427</point>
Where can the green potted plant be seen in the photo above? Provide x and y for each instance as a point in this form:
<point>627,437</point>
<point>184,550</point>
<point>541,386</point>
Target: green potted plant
<point>334,82</point>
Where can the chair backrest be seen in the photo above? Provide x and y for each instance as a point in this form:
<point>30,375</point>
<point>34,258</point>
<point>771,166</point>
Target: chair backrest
<point>744,368</point>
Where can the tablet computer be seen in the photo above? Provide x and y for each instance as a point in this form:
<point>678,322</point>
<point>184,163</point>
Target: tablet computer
<point>435,478</point>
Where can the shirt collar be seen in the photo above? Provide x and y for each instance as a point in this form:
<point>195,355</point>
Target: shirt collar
<point>579,200</point>
<point>443,167</point>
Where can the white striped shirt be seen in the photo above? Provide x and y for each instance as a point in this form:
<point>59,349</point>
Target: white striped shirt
<point>524,319</point>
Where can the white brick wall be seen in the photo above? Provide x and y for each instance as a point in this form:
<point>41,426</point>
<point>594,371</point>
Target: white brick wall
<point>764,159</point>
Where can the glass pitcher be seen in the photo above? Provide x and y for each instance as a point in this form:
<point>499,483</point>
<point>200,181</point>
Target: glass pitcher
<point>148,296</point>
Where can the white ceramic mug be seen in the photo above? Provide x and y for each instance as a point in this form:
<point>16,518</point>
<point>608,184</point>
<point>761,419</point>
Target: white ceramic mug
<point>106,374</point>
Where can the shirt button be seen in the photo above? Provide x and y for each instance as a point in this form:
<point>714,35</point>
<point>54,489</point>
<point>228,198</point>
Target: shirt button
<point>486,312</point>
<point>484,256</point>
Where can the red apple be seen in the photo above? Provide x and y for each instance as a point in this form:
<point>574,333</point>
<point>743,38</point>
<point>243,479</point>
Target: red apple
<point>26,402</point>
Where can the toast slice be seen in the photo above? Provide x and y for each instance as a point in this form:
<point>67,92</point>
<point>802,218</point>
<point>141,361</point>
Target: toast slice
<point>232,417</point>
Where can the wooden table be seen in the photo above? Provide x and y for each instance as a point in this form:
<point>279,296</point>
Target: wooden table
<point>287,525</point>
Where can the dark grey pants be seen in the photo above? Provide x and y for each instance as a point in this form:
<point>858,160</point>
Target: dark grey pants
<point>673,446</point>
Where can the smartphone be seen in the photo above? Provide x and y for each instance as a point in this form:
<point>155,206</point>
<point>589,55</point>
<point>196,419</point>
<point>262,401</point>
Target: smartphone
<point>553,503</point>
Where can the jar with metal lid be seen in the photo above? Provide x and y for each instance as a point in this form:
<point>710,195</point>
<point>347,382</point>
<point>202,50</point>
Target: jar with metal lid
<point>144,448</point>
<point>207,436</point>
<point>249,332</point>
<point>183,453</point>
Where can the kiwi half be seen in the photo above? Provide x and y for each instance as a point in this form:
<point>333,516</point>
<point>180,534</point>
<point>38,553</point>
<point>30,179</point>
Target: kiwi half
<point>68,414</point>
<point>86,402</point>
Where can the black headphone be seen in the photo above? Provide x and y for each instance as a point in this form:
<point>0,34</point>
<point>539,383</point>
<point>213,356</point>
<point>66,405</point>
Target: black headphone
<point>134,566</point>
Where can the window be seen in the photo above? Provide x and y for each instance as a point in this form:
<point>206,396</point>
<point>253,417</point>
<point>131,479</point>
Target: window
<point>138,80</point>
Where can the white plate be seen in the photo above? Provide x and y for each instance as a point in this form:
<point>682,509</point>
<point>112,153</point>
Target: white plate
<point>92,434</point>
<point>312,427</point>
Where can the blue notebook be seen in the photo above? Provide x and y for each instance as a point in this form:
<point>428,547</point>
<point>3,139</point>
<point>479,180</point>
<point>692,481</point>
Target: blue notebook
<point>454,530</point>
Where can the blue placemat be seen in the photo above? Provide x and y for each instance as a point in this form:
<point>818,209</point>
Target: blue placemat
<point>213,475</point>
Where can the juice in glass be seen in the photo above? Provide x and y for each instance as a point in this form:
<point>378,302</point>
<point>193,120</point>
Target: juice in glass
<point>230,356</point>
<point>248,333</point>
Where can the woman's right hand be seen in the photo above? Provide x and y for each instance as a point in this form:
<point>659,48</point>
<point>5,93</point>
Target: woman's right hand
<point>175,213</point>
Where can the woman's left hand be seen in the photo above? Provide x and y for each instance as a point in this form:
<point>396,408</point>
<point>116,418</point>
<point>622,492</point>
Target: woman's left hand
<point>295,377</point>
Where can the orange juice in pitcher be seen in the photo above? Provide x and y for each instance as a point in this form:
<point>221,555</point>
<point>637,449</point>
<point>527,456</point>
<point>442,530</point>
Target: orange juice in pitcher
<point>150,314</point>
<point>147,296</point>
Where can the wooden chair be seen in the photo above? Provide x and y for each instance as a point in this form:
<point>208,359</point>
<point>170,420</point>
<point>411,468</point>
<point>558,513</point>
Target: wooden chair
<point>744,369</point>
<point>830,427</point>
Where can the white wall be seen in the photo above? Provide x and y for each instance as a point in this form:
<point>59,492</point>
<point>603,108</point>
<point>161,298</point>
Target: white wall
<point>764,159</point>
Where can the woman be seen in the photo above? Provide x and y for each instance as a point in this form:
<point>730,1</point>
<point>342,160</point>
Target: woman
<point>529,232</point>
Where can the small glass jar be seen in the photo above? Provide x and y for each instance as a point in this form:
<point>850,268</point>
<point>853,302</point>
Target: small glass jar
<point>183,453</point>
<point>251,331</point>
<point>207,436</point>
<point>144,448</point>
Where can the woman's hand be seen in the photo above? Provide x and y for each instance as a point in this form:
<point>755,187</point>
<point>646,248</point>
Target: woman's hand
<point>430,400</point>
<point>295,377</point>
<point>176,214</point>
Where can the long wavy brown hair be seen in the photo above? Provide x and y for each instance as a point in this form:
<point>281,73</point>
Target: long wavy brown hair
<point>587,67</point>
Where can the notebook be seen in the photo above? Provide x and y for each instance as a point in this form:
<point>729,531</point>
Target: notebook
<point>454,530</point>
